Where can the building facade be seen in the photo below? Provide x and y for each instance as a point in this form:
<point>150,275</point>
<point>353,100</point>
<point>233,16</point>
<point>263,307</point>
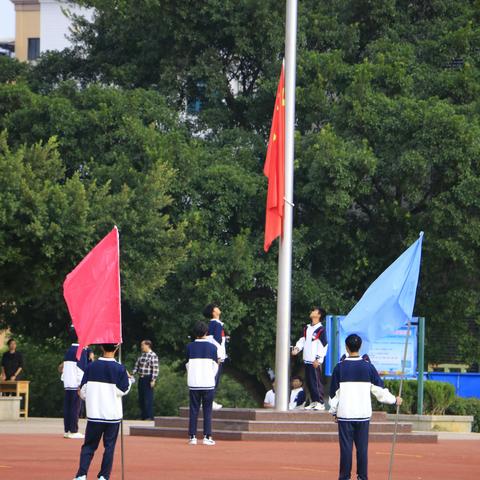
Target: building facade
<point>43,25</point>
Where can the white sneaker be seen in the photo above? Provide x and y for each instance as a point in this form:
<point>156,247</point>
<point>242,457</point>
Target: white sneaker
<point>216,406</point>
<point>66,434</point>
<point>192,441</point>
<point>319,407</point>
<point>208,441</point>
<point>102,478</point>
<point>83,477</point>
<point>311,406</point>
<point>76,435</point>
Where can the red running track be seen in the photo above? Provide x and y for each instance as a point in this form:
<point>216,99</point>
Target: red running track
<point>49,457</point>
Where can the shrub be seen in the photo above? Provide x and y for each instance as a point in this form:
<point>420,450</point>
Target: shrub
<point>438,396</point>
<point>466,406</point>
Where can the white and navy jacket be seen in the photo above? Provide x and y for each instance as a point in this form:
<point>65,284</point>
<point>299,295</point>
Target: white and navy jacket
<point>313,342</point>
<point>297,398</point>
<point>72,369</point>
<point>202,364</point>
<point>104,383</point>
<point>216,335</point>
<point>353,380</point>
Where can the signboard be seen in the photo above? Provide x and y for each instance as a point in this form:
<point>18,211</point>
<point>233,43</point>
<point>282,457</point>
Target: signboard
<point>386,353</point>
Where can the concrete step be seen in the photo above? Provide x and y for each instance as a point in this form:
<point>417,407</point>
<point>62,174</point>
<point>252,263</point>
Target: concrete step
<point>424,437</point>
<point>275,426</point>
<point>266,414</point>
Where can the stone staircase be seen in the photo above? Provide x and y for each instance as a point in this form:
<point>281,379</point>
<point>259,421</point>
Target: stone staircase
<point>269,425</point>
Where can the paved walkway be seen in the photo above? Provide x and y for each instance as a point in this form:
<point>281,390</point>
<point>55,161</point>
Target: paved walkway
<point>35,425</point>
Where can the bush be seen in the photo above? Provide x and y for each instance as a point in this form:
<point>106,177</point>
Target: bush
<point>466,406</point>
<point>170,392</point>
<point>438,396</point>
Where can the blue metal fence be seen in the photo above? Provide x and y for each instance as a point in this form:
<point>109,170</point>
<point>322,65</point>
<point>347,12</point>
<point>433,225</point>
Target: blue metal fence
<point>466,384</point>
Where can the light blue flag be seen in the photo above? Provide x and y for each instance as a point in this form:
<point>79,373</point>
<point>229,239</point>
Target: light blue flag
<point>388,303</point>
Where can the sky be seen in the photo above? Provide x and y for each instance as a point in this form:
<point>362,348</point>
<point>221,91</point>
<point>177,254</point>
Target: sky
<point>7,19</point>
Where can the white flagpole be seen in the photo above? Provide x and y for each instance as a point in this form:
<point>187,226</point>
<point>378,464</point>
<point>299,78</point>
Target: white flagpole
<point>282,355</point>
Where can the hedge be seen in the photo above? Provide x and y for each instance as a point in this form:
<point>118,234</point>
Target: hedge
<point>466,406</point>
<point>438,396</point>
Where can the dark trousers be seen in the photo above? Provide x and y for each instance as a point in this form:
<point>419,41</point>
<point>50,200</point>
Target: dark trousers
<point>71,411</point>
<point>218,375</point>
<point>145,397</point>
<point>348,434</point>
<point>93,435</point>
<point>314,382</point>
<point>205,399</point>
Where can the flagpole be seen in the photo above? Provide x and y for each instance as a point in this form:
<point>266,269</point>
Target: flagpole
<point>392,451</point>
<point>121,424</point>
<point>282,355</point>
<point>122,451</point>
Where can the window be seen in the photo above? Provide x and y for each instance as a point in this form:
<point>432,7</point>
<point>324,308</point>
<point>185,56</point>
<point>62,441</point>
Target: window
<point>33,48</point>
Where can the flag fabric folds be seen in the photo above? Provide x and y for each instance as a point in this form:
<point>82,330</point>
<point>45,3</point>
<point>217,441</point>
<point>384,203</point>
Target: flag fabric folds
<point>274,169</point>
<point>92,294</point>
<point>388,303</point>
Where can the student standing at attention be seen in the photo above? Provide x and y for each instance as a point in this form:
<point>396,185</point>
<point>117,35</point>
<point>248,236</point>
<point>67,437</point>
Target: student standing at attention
<point>313,342</point>
<point>104,383</point>
<point>72,373</point>
<point>202,368</point>
<point>353,380</point>
<point>216,335</point>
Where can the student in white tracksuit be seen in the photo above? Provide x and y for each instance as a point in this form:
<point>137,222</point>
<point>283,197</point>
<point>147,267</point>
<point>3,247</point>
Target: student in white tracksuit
<point>314,344</point>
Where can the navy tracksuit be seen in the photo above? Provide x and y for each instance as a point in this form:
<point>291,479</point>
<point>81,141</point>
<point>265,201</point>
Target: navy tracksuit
<point>202,369</point>
<point>71,377</point>
<point>353,381</point>
<point>104,384</point>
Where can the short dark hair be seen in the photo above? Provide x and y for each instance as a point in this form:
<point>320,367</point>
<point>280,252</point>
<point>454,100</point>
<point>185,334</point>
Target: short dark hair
<point>10,340</point>
<point>148,343</point>
<point>320,310</point>
<point>297,377</point>
<point>208,310</point>
<point>200,329</point>
<point>109,347</point>
<point>353,342</point>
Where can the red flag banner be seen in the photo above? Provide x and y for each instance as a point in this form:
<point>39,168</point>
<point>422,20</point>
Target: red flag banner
<point>92,294</point>
<point>274,169</point>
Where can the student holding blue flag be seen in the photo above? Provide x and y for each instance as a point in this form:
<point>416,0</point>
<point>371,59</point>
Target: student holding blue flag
<point>353,380</point>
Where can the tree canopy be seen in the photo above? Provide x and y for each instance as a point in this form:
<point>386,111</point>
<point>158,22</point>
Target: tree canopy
<point>387,145</point>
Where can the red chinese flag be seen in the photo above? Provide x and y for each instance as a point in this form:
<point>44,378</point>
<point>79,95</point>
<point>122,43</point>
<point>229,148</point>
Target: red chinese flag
<point>274,169</point>
<point>92,293</point>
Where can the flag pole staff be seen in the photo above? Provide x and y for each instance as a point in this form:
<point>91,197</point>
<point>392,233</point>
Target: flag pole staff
<point>122,456</point>
<point>122,451</point>
<point>392,451</point>
<point>282,355</point>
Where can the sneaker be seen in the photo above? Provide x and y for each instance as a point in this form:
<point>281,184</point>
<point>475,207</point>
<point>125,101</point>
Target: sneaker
<point>319,407</point>
<point>192,441</point>
<point>216,406</point>
<point>83,477</point>
<point>66,434</point>
<point>76,435</point>
<point>311,406</point>
<point>208,441</point>
<point>102,478</point>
